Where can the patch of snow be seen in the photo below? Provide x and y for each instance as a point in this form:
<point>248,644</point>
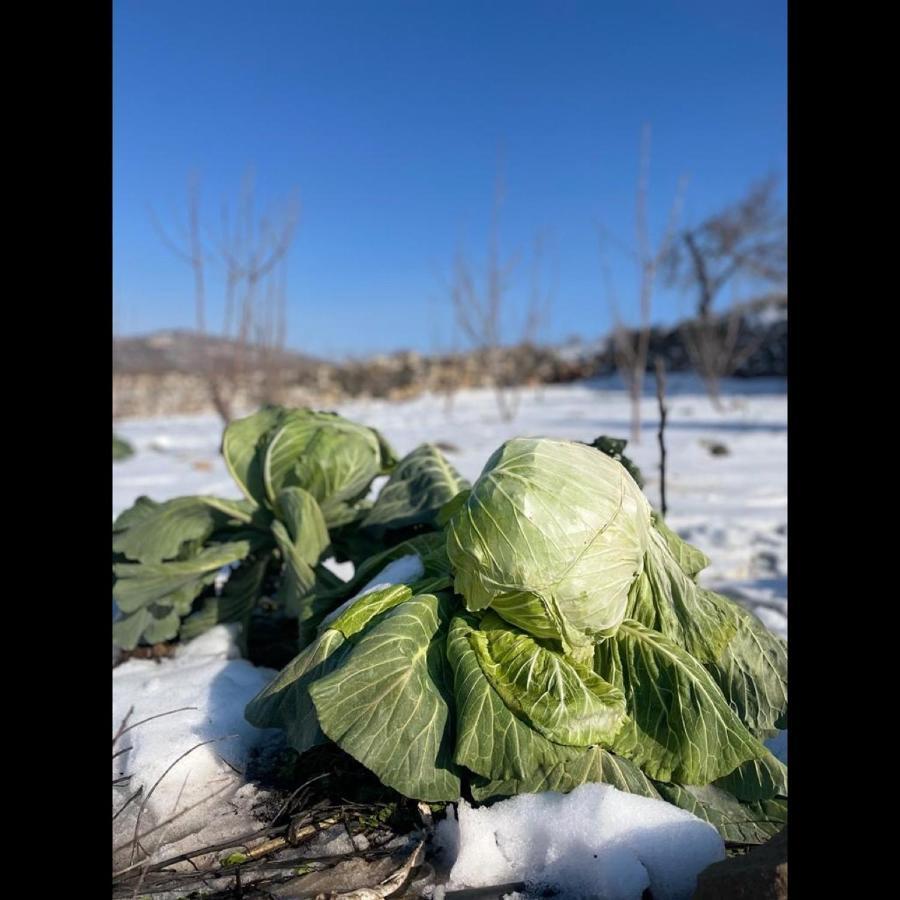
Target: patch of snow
<point>400,571</point>
<point>596,841</point>
<point>343,570</point>
<point>208,675</point>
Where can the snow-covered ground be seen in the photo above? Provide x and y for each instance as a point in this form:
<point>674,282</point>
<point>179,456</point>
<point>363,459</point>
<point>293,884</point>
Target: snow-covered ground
<point>732,505</point>
<point>186,742</point>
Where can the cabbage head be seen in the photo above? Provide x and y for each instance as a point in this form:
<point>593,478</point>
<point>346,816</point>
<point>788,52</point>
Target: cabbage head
<point>551,538</point>
<point>328,456</point>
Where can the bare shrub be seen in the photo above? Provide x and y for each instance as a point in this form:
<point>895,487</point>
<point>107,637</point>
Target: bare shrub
<point>632,345</point>
<point>481,308</point>
<point>744,242</point>
<point>252,249</point>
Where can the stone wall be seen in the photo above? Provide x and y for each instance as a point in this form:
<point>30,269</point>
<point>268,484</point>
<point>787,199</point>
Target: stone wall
<point>759,348</point>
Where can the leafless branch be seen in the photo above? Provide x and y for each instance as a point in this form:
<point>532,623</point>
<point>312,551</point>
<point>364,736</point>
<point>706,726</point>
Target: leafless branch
<point>481,307</point>
<point>253,250</point>
<point>661,434</point>
<point>744,241</point>
<point>631,347</point>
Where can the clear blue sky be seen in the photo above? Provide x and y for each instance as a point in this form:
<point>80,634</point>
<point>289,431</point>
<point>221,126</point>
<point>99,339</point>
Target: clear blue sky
<point>386,116</point>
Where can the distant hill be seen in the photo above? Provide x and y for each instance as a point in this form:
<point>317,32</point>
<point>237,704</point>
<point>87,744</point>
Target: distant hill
<point>162,373</point>
<point>188,352</point>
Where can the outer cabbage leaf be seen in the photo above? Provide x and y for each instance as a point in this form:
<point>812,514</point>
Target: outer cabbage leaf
<point>358,615</point>
<point>302,538</point>
<point>680,727</point>
<point>153,533</point>
<point>746,660</point>
<point>752,673</point>
<point>750,823</point>
<point>418,488</point>
<point>162,626</point>
<point>615,448</point>
<point>430,548</point>
<point>667,600</point>
<point>243,446</point>
<point>551,537</point>
<point>490,739</point>
<point>448,510</point>
<point>121,449</point>
<point>691,560</point>
<point>590,765</point>
<point>139,584</point>
<point>563,700</point>
<point>140,510</point>
<point>235,603</point>
<point>127,631</point>
<point>152,623</point>
<point>388,703</point>
<point>757,779</point>
<point>285,701</point>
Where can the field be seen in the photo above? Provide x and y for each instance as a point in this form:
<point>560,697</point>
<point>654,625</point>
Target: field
<point>726,485</point>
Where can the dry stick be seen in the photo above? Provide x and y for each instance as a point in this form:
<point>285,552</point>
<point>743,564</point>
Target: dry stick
<point>238,841</point>
<point>660,397</point>
<point>258,865</point>
<point>153,877</point>
<point>298,830</point>
<point>298,833</point>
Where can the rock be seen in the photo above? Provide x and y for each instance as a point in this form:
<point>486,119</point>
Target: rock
<point>716,448</point>
<point>760,874</point>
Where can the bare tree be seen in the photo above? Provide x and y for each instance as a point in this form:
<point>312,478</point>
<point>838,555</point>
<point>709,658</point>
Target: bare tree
<point>632,345</point>
<point>481,308</point>
<point>745,242</point>
<point>253,250</point>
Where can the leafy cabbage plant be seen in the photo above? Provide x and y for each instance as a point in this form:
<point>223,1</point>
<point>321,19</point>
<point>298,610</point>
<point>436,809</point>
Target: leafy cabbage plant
<point>121,448</point>
<point>557,636</point>
<point>615,447</point>
<point>305,476</point>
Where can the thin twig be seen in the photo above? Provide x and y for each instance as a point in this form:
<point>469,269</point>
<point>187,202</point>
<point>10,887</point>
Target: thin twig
<point>134,796</point>
<point>661,398</point>
<point>122,724</point>
<point>148,719</point>
<point>290,799</point>
<point>158,782</point>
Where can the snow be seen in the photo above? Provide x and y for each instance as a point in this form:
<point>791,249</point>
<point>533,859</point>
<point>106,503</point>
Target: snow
<point>404,570</point>
<point>207,676</point>
<point>595,842</point>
